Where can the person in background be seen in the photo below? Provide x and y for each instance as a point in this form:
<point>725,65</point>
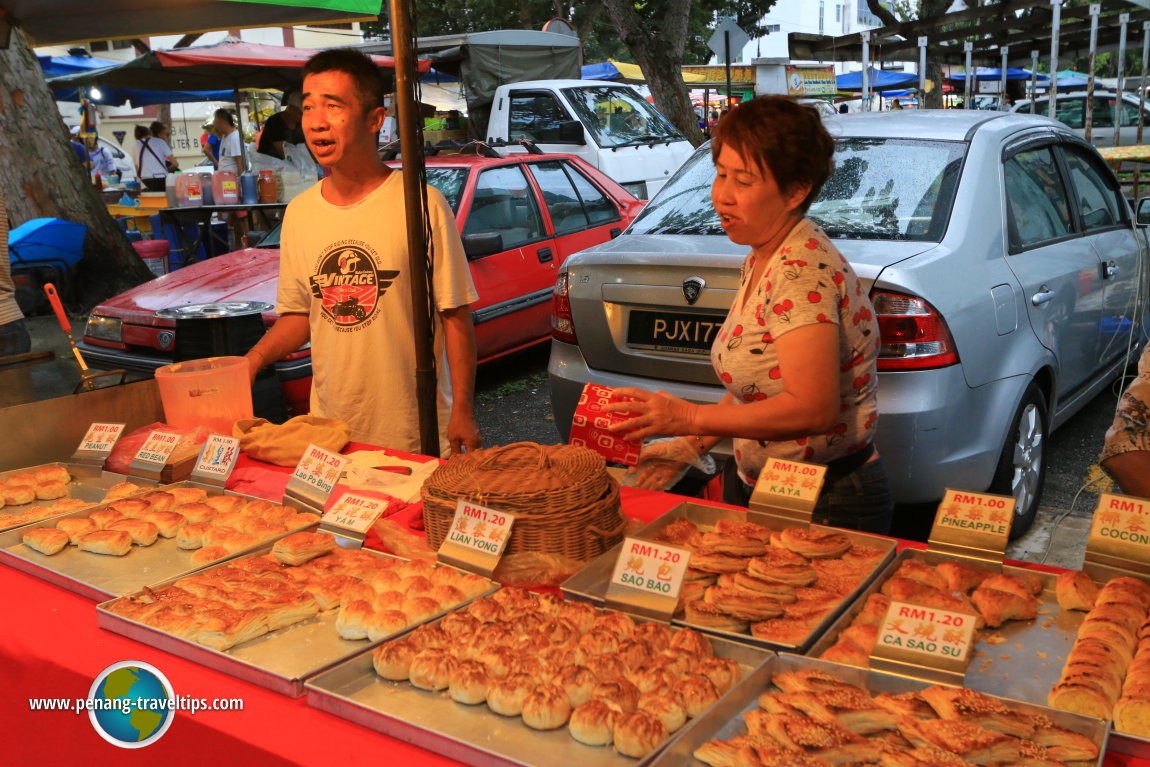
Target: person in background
<point>230,154</point>
<point>797,353</point>
<point>14,338</point>
<point>389,131</point>
<point>153,157</point>
<point>210,143</point>
<point>896,104</point>
<point>1126,451</point>
<point>282,127</point>
<point>343,280</point>
<point>78,147</point>
<point>100,158</point>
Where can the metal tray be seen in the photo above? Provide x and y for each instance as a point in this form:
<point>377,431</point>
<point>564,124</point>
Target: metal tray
<point>725,719</point>
<point>1029,662</point>
<point>590,583</point>
<point>472,734</point>
<point>280,660</point>
<point>101,577</point>
<point>89,483</point>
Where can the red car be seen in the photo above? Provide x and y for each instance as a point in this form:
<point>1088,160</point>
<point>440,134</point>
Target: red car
<point>520,217</point>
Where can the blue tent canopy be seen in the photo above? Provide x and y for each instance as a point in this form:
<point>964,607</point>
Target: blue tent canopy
<point>54,66</point>
<point>994,74</point>
<point>604,70</point>
<point>880,80</point>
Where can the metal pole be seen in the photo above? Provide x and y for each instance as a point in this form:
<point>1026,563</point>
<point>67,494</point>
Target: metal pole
<point>1002,86</point>
<point>727,62</point>
<point>1142,101</point>
<point>921,72</point>
<point>422,300</point>
<point>1033,81</point>
<point>968,46</point>
<point>1123,20</point>
<point>1095,9</point>
<point>1055,24</point>
<point>865,95</point>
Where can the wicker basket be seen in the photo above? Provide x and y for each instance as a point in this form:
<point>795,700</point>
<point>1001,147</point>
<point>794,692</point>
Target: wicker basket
<point>564,500</point>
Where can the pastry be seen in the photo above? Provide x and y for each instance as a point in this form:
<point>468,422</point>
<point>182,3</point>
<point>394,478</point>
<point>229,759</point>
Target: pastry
<point>393,660</point>
<point>848,652</point>
<point>783,631</point>
<point>132,508</point>
<point>196,512</point>
<point>66,505</point>
<point>50,491</point>
<point>666,708</point>
<point>17,495</point>
<point>717,563</point>
<point>780,592</point>
<point>1075,590</point>
<point>166,522</point>
<point>191,536</point>
<point>741,605</point>
<point>46,540</point>
<point>76,527</point>
<point>997,607</point>
<point>52,474</point>
<point>597,643</point>
<point>468,684</point>
<point>814,542</point>
<point>638,734</point>
<point>908,704</point>
<point>1012,584</point>
<point>387,623</point>
<point>579,683</point>
<point>971,742</point>
<point>976,708</point>
<point>619,692</point>
<point>917,570</point>
<point>546,708</point>
<point>431,669</point>
<point>225,628</point>
<point>160,500</point>
<point>114,542</point>
<point>723,673</point>
<point>298,548</point>
<point>204,555</point>
<point>105,517</point>
<point>182,495</point>
<point>700,613</point>
<point>120,490</point>
<point>695,694</point>
<point>740,529</point>
<point>419,609</point>
<point>735,545</point>
<point>353,619</point>
<point>851,709</point>
<point>505,696</point>
<point>1062,744</point>
<point>593,723</point>
<point>962,576</point>
<point>143,532</point>
<point>793,574</point>
<point>655,633</point>
<point>225,503</point>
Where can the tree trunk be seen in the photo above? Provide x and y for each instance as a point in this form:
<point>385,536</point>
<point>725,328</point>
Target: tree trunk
<point>658,50</point>
<point>41,178</point>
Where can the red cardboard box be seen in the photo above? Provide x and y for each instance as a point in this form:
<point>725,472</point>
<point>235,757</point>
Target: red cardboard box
<point>590,423</point>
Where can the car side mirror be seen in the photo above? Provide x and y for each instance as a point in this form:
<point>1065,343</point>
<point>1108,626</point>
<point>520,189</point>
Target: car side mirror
<point>1143,217</point>
<point>571,132</point>
<point>482,244</point>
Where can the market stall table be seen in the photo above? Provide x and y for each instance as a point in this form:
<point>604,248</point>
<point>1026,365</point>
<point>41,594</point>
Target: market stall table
<point>201,218</point>
<point>51,647</point>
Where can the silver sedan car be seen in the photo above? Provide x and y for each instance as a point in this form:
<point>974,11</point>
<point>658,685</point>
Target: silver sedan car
<point>1001,257</point>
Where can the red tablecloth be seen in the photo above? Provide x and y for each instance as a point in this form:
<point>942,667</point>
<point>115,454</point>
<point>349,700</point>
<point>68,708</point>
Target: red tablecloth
<point>51,647</point>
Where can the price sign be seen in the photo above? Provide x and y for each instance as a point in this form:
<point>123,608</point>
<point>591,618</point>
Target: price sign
<point>1120,531</point>
<point>788,488</point>
<point>154,454</point>
<point>477,537</point>
<point>315,476</point>
<point>217,459</point>
<point>647,578</point>
<point>916,636</point>
<point>354,512</point>
<point>97,443</point>
<point>973,524</point>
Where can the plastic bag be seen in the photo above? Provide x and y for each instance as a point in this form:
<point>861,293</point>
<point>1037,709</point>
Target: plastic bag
<point>663,462</point>
<point>532,568</point>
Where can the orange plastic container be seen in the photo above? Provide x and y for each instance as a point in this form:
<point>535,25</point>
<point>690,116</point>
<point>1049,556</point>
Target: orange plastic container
<point>213,392</point>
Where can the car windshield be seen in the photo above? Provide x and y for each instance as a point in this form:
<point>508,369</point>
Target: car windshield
<point>882,189</point>
<point>618,117</point>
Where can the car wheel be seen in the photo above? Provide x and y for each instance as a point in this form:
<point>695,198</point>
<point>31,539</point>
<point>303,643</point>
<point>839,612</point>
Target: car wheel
<point>1022,465</point>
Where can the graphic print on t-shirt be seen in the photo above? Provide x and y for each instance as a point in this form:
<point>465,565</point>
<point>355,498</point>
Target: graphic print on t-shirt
<point>349,284</point>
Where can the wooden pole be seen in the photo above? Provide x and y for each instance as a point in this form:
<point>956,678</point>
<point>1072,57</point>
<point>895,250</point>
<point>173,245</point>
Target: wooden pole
<point>422,300</point>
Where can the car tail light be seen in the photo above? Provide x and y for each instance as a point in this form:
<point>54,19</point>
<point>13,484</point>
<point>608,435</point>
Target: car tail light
<point>562,328</point>
<point>914,335</point>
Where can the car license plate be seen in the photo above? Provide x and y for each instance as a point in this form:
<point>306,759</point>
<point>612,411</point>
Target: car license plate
<point>673,332</point>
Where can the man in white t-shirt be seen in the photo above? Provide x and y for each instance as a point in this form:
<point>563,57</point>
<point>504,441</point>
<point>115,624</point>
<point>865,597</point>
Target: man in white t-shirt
<point>230,155</point>
<point>343,280</point>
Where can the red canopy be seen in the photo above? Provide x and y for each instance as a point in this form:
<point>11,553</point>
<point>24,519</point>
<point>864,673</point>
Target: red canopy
<point>239,53</point>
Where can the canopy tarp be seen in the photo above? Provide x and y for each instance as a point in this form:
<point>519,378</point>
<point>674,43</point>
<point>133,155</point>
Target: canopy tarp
<point>994,74</point>
<point>55,66</point>
<point>628,73</point>
<point>879,80</point>
<point>53,22</point>
<point>230,64</point>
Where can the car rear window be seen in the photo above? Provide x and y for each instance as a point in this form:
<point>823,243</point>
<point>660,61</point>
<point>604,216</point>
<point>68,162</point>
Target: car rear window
<point>882,189</point>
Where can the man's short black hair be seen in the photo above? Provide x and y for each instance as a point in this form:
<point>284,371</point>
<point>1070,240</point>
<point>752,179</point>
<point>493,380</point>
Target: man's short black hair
<point>226,116</point>
<point>362,70</point>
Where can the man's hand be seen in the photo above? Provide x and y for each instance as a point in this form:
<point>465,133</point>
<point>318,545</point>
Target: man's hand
<point>255,364</point>
<point>463,431</point>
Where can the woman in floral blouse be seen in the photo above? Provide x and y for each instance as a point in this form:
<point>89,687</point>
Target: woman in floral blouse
<point>797,351</point>
<point>1126,452</point>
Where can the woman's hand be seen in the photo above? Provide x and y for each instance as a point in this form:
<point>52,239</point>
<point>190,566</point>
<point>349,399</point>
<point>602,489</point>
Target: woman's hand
<point>654,413</point>
<point>662,464</point>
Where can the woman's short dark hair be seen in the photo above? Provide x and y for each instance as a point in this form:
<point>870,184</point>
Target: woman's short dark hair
<point>142,132</point>
<point>780,135</point>
<point>358,66</point>
<point>156,128</point>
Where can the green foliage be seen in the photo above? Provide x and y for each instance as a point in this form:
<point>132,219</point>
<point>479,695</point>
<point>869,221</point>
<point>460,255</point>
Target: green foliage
<point>600,40</point>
